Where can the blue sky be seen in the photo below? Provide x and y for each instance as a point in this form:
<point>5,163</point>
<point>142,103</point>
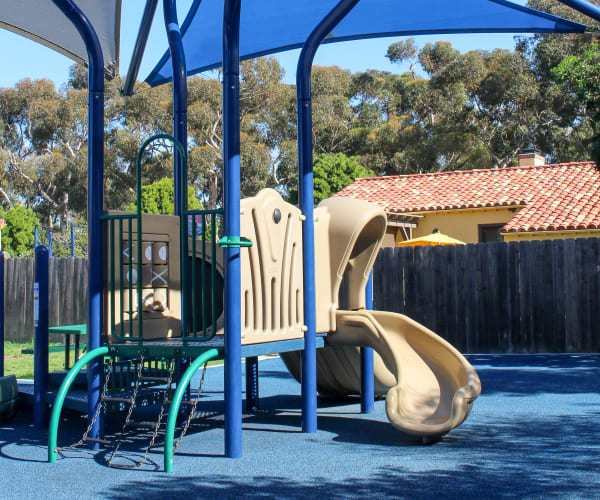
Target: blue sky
<point>27,59</point>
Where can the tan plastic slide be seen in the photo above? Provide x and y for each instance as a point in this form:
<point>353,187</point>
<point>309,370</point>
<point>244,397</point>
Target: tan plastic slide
<point>430,387</point>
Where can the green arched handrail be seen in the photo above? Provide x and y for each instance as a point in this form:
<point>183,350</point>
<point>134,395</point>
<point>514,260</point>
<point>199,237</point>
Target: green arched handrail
<point>62,394</point>
<point>176,404</point>
<point>138,182</point>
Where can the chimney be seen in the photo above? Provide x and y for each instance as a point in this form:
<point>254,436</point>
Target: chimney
<point>531,158</point>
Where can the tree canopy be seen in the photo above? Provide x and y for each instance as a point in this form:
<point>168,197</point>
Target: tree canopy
<point>159,198</point>
<point>450,111</point>
<point>18,235</point>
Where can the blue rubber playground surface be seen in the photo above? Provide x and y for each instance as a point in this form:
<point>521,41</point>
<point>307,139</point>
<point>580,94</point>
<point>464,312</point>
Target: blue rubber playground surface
<point>534,433</point>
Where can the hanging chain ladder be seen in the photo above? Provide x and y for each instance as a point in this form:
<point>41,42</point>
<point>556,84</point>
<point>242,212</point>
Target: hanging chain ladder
<point>160,415</point>
<point>101,404</point>
<point>193,410</point>
<point>129,412</point>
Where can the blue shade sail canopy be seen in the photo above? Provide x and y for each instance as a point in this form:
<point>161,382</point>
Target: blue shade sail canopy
<point>270,26</point>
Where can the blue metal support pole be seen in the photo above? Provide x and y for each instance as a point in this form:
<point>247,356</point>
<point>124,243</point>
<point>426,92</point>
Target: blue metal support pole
<point>72,241</point>
<point>231,183</point>
<point>95,201</point>
<point>50,243</point>
<point>306,198</point>
<point>179,132</point>
<point>40,341</point>
<point>1,314</point>
<point>179,100</point>
<point>587,8</point>
<point>140,47</point>
<point>35,237</point>
<point>367,389</point>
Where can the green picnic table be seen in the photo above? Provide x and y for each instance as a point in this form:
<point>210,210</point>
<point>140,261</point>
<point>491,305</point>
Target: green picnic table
<point>77,331</point>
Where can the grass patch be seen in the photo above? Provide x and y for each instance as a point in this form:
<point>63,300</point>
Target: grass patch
<point>22,364</point>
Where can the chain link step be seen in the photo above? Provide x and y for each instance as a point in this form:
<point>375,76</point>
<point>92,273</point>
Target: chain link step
<point>164,380</point>
<point>118,400</point>
<point>183,403</point>
<point>104,442</point>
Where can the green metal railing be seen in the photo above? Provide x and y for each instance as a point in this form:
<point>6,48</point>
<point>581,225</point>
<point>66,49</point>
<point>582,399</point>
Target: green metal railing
<point>62,394</point>
<point>200,294</point>
<point>200,289</point>
<point>176,404</point>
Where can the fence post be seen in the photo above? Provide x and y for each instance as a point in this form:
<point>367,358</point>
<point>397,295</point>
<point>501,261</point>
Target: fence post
<point>40,346</point>
<point>367,389</point>
<point>72,241</point>
<point>1,314</point>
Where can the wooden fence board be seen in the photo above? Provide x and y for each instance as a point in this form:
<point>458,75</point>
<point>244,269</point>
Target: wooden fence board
<point>67,290</point>
<point>529,296</point>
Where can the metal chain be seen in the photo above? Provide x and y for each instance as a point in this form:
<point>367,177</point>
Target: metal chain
<point>160,415</point>
<point>101,404</point>
<point>130,411</point>
<point>193,411</point>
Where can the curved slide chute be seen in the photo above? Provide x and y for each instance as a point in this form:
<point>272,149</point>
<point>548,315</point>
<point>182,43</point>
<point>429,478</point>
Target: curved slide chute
<point>429,386</point>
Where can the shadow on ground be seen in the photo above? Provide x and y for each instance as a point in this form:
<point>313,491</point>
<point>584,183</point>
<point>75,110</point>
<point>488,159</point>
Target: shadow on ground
<point>540,451</point>
<point>541,459</point>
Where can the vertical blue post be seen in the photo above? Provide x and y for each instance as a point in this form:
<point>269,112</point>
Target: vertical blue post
<point>95,201</point>
<point>50,243</point>
<point>35,238</point>
<point>40,341</point>
<point>72,241</point>
<point>180,133</point>
<point>1,314</point>
<point>367,389</point>
<point>306,199</point>
<point>179,102</point>
<point>231,183</point>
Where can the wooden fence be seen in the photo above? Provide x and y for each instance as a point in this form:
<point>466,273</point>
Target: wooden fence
<point>67,289</point>
<point>529,296</point>
<point>538,296</point>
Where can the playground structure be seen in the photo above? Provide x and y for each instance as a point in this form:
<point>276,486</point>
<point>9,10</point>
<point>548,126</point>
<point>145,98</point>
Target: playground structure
<point>431,386</point>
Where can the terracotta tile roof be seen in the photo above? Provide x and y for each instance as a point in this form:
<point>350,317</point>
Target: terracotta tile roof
<point>558,197</point>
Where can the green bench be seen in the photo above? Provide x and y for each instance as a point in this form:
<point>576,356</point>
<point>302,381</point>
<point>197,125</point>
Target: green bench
<point>54,348</point>
<point>75,331</point>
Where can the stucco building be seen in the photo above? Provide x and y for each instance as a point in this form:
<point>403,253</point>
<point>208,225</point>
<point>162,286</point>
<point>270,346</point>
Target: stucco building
<point>531,201</point>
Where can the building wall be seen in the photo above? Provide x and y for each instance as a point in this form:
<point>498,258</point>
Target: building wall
<point>389,239</point>
<point>551,235</point>
<point>464,226</point>
<point>460,224</point>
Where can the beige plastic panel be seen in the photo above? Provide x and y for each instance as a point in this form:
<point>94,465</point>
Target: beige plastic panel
<point>348,236</point>
<point>272,285</point>
<point>161,280</point>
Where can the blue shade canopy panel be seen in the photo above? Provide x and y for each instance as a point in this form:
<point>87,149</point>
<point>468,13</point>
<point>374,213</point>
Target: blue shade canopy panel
<point>270,26</point>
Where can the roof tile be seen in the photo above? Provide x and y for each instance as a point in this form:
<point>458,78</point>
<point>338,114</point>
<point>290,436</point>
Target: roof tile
<point>557,197</point>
